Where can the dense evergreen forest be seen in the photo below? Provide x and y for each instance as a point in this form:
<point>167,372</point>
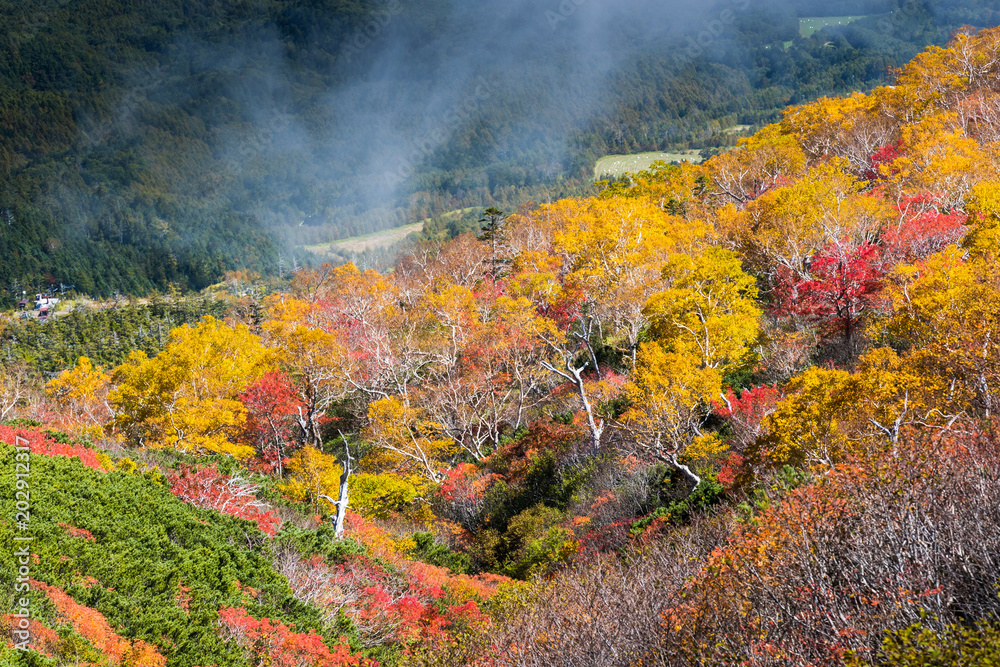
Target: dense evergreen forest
<point>107,334</point>
<point>145,145</point>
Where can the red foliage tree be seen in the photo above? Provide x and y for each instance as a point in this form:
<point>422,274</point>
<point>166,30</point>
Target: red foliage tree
<point>417,605</point>
<point>844,285</point>
<point>272,405</point>
<point>463,488</point>
<point>383,606</point>
<point>209,489</point>
<point>746,412</point>
<point>879,163</point>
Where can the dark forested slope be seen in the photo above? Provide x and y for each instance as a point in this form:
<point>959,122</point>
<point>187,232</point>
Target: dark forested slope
<point>144,144</point>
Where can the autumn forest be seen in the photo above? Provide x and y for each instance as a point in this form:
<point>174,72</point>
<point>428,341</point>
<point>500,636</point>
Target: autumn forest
<point>740,412</point>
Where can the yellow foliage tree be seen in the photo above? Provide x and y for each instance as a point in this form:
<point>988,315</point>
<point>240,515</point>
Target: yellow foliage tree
<point>605,238</point>
<point>314,478</point>
<point>682,190</point>
<point>757,165</point>
<point>888,393</point>
<point>704,324</point>
<point>938,76</point>
<point>670,392</point>
<point>405,441</point>
<point>81,394</point>
<point>615,250</point>
<point>941,160</point>
<point>314,358</point>
<point>948,310</point>
<point>806,426</point>
<point>535,277</point>
<point>830,414</point>
<point>983,205</point>
<point>379,496</point>
<point>851,128</point>
<point>186,398</point>
<point>786,226</point>
<point>708,310</point>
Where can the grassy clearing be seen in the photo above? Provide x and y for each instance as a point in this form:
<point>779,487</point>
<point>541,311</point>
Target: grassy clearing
<point>810,24</point>
<point>376,240</point>
<point>359,244</point>
<point>617,165</point>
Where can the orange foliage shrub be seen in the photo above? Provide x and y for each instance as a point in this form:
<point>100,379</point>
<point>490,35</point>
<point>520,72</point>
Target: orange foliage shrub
<point>77,532</point>
<point>208,488</point>
<point>91,625</point>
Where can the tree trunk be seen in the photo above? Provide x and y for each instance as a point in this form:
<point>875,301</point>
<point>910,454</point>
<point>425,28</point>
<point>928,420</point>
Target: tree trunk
<point>342,499</point>
<point>346,469</point>
<point>671,459</point>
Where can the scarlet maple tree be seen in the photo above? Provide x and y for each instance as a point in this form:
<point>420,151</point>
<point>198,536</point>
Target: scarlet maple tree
<point>272,405</point>
<point>844,286</point>
<point>745,413</point>
<point>879,163</point>
<point>922,229</point>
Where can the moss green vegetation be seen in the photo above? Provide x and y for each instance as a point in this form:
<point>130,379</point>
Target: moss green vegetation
<point>146,545</point>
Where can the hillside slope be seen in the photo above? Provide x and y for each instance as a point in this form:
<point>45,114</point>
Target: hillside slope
<point>741,412</point>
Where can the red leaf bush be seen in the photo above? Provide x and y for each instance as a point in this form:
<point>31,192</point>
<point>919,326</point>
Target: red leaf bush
<point>207,488</point>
